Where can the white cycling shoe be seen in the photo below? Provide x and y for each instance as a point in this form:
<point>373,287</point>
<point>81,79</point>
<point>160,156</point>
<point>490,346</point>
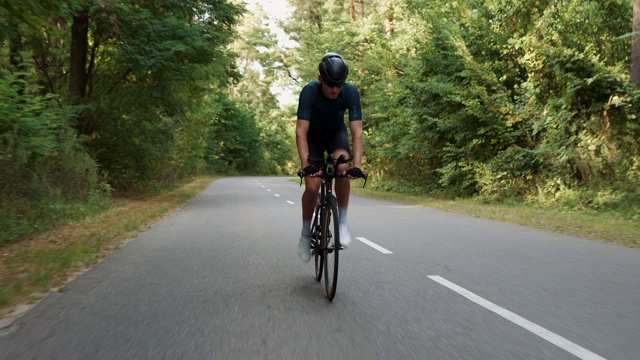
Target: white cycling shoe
<point>304,248</point>
<point>345,237</point>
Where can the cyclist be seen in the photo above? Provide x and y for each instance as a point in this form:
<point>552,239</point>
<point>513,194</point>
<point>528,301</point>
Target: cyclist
<point>321,127</point>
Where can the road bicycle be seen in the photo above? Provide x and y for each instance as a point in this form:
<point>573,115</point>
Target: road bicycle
<point>325,232</point>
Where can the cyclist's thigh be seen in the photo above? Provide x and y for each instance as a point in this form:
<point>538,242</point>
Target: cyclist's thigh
<point>339,142</point>
<point>317,142</point>
<point>340,146</point>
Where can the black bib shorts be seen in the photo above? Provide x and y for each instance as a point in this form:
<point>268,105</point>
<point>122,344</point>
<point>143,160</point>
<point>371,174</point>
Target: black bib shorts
<point>327,140</point>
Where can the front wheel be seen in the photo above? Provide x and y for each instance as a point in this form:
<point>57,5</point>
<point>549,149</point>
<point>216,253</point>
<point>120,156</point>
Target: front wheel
<point>331,245</point>
<point>318,253</point>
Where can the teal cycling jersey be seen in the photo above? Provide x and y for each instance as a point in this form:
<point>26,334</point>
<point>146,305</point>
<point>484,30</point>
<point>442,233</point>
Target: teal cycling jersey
<point>328,114</point>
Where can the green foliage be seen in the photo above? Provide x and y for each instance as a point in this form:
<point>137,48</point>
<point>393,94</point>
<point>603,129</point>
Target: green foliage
<point>579,106</point>
<point>149,65</point>
<point>29,122</point>
<point>260,61</point>
<point>157,63</point>
<point>46,177</point>
<point>498,99</point>
<point>232,138</point>
<point>524,100</point>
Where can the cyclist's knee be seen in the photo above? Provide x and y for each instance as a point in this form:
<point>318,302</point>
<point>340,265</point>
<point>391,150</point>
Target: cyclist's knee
<point>341,152</point>
<point>312,185</point>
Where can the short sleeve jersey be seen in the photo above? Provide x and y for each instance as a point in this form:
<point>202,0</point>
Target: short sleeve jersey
<point>328,114</point>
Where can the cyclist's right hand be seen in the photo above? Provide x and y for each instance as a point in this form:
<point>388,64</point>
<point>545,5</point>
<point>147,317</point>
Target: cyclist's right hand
<point>311,171</point>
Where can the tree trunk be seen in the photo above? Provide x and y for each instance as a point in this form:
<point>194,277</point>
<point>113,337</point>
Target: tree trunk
<point>352,10</point>
<point>360,8</point>
<point>388,20</point>
<point>635,44</point>
<point>78,66</point>
<point>79,50</point>
<point>315,15</point>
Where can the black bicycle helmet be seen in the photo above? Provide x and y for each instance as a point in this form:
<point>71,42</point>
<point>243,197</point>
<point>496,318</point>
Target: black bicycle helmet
<point>333,69</point>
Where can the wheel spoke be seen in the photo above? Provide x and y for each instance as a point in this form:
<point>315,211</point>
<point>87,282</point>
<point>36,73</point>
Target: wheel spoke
<point>317,250</point>
<point>330,241</point>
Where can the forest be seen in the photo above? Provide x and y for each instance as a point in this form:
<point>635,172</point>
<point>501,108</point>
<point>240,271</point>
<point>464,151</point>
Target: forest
<point>526,102</point>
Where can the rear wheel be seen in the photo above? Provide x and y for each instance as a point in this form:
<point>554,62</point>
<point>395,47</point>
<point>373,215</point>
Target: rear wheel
<point>330,245</point>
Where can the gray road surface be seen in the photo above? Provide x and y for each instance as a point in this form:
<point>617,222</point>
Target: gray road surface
<point>220,279</point>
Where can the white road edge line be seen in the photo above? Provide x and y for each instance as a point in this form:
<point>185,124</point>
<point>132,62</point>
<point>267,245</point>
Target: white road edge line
<point>290,202</point>
<point>374,245</point>
<point>276,195</point>
<point>551,337</point>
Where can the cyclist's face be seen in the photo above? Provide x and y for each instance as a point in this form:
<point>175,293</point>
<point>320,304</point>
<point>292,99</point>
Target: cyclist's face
<point>331,92</point>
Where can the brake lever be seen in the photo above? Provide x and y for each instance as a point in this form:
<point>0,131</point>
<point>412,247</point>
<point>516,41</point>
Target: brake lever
<point>301,174</point>
<point>365,176</point>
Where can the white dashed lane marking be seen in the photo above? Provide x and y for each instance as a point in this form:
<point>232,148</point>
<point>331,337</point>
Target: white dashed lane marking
<point>551,337</point>
<point>374,245</point>
<point>269,190</point>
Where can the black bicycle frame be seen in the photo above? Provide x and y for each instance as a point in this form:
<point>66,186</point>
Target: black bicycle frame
<point>329,172</point>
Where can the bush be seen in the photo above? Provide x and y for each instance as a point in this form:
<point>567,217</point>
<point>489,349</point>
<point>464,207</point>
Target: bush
<point>46,176</point>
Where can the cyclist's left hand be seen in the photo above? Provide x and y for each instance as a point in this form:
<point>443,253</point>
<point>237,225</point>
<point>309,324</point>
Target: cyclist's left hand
<point>354,173</point>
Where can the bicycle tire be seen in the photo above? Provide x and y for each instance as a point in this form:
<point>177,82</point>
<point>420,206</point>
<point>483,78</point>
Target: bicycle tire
<point>331,245</point>
<point>317,246</point>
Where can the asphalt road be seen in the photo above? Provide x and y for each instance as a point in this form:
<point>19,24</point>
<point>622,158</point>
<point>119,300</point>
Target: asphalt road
<point>220,279</point>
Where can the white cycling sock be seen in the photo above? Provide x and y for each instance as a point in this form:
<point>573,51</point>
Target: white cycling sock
<point>306,228</point>
<point>342,213</point>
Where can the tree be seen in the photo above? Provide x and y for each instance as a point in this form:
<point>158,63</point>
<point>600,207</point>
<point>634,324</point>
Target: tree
<point>260,63</point>
<point>635,44</point>
<point>131,71</point>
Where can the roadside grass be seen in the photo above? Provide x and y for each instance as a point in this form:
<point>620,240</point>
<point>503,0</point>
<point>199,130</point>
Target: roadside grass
<point>45,262</point>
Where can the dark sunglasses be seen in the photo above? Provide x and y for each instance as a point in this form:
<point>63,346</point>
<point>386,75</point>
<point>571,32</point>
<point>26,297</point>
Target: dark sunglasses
<point>332,84</point>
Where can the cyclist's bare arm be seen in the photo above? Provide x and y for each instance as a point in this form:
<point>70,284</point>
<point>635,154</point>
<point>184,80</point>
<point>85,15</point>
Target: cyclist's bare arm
<point>302,128</point>
<point>356,140</point>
